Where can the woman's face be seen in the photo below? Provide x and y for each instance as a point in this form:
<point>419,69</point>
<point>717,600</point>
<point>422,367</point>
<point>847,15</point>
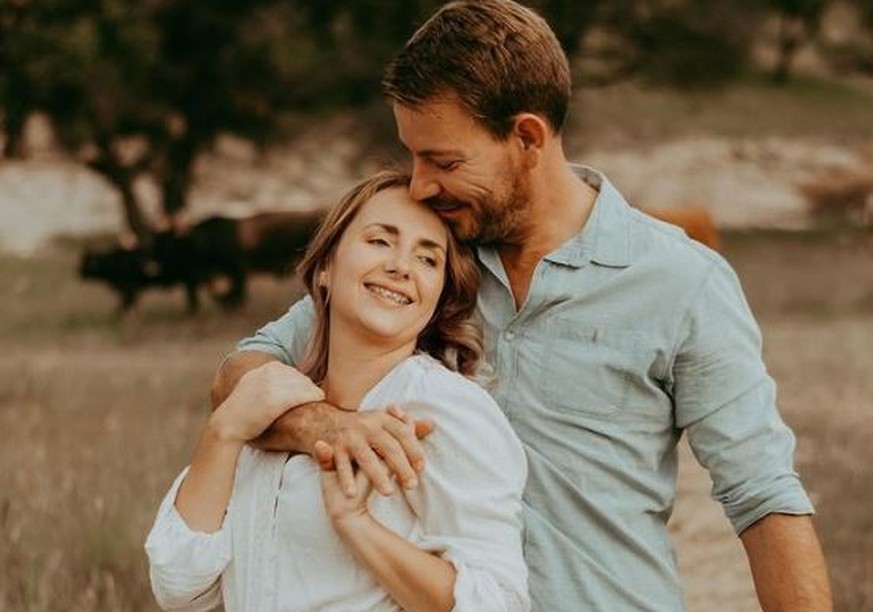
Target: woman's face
<point>387,273</point>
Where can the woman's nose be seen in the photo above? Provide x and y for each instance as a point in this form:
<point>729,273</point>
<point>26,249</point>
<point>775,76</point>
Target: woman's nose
<point>398,264</point>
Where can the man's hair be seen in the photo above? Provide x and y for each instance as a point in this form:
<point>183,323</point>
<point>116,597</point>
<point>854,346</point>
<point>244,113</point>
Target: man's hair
<point>496,57</point>
<point>451,336</point>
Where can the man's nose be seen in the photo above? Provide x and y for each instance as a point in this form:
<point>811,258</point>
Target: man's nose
<point>422,186</point>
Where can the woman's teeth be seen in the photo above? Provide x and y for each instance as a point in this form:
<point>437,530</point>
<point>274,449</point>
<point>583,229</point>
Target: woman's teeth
<point>398,298</point>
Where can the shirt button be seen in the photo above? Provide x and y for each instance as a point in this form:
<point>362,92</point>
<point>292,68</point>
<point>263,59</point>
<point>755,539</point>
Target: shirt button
<point>509,335</point>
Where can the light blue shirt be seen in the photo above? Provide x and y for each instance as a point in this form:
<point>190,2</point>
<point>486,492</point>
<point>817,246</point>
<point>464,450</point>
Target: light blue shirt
<point>631,334</point>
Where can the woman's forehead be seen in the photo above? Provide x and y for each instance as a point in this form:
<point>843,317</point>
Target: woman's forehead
<point>395,208</point>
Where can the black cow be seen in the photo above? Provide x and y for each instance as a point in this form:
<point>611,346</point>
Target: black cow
<point>215,248</point>
<point>127,270</point>
<point>231,248</point>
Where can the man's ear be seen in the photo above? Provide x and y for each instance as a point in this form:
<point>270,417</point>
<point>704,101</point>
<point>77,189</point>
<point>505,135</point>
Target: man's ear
<point>531,131</point>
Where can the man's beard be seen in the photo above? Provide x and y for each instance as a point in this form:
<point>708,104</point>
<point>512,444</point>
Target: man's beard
<point>490,221</point>
<point>502,222</point>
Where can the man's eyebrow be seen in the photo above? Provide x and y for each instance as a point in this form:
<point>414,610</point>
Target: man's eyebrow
<point>394,231</point>
<point>441,153</point>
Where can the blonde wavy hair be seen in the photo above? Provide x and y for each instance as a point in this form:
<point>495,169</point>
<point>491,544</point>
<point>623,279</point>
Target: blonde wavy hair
<point>450,336</point>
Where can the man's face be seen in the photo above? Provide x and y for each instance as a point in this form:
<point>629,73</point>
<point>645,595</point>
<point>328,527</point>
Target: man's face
<point>474,181</point>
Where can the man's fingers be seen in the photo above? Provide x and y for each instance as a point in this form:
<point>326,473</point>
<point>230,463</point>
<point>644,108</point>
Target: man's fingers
<point>397,412</point>
<point>421,427</point>
<point>403,453</point>
<point>345,473</point>
<point>324,455</point>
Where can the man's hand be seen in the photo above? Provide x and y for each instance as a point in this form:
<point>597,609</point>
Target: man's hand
<point>365,439</point>
<point>261,396</point>
<point>382,443</point>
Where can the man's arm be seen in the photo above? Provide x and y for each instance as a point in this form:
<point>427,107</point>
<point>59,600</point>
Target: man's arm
<point>232,369</point>
<point>726,402</point>
<point>787,564</point>
<point>360,439</point>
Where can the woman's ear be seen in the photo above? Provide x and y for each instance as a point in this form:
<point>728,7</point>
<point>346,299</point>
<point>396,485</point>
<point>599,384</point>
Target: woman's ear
<point>321,280</point>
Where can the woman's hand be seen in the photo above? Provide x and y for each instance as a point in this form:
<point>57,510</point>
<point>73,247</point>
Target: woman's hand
<point>345,508</point>
<point>261,396</point>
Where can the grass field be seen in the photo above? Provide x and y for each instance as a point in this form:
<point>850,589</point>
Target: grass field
<point>98,414</point>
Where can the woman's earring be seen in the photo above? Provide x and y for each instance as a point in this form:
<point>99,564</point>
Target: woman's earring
<point>323,285</point>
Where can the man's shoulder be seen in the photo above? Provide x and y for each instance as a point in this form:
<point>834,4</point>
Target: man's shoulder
<point>668,250</point>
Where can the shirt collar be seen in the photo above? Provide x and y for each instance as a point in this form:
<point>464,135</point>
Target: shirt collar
<point>605,238</point>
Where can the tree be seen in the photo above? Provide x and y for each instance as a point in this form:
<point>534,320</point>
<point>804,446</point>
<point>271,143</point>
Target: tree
<point>570,19</point>
<point>680,43</point>
<point>143,87</point>
<point>19,52</point>
<point>799,22</point>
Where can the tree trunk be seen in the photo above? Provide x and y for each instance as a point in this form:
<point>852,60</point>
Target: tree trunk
<point>788,44</point>
<point>176,179</point>
<point>15,113</point>
<point>122,179</point>
<point>133,216</point>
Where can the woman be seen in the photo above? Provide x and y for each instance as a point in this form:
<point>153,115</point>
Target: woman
<point>393,293</point>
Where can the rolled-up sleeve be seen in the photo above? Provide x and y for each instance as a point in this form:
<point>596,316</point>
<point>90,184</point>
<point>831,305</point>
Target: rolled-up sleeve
<point>726,401</point>
<point>469,499</point>
<point>185,565</point>
<point>286,337</point>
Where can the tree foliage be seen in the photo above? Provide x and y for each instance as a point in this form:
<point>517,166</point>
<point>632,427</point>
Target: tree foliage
<point>799,22</point>
<point>142,87</point>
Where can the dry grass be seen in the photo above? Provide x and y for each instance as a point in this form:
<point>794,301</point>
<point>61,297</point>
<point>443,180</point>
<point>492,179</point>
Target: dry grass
<point>98,415</point>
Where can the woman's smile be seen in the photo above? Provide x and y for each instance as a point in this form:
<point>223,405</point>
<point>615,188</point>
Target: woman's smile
<point>391,295</point>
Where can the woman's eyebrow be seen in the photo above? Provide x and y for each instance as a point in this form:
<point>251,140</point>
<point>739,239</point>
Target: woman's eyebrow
<point>395,231</point>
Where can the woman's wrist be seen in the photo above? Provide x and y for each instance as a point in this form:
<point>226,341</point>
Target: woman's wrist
<point>352,523</point>
<point>220,429</point>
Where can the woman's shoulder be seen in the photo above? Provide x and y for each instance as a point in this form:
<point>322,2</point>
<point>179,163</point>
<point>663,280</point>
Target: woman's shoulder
<point>430,375</point>
<point>468,421</point>
<point>433,389</point>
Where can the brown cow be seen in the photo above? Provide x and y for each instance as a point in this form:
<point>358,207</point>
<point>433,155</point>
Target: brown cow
<point>695,220</point>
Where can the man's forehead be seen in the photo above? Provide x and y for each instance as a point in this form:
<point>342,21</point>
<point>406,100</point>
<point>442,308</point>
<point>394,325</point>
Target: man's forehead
<point>436,128</point>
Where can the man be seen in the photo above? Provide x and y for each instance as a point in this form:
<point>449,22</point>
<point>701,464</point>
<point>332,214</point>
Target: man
<point>611,334</point>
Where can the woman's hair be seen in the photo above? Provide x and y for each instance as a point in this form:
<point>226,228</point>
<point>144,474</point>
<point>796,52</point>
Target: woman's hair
<point>496,57</point>
<point>450,336</point>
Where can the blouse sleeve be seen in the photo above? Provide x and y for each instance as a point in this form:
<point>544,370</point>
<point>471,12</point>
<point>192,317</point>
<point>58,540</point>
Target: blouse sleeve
<point>185,566</point>
<point>469,497</point>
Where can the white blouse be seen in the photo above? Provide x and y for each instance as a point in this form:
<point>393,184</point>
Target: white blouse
<point>277,551</point>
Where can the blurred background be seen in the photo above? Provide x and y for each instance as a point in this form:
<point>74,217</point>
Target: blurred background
<point>138,137</point>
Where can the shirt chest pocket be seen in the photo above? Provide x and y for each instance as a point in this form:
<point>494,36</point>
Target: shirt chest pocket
<point>592,370</point>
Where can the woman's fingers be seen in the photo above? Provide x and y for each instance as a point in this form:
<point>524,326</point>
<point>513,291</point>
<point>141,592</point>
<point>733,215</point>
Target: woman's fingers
<point>345,473</point>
